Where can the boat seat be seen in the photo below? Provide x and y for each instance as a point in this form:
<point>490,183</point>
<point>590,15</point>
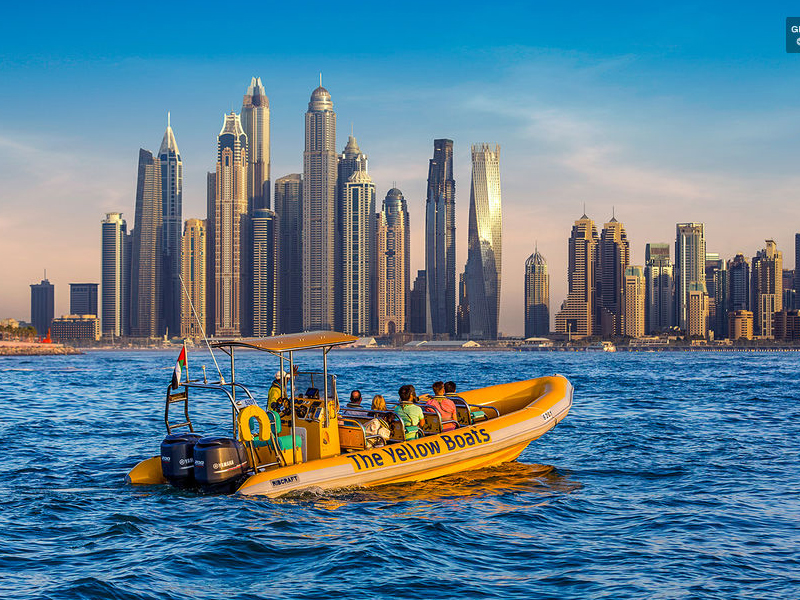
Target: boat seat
<point>478,416</point>
<point>352,435</point>
<point>284,441</point>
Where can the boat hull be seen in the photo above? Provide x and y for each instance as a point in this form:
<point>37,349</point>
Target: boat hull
<point>485,444</point>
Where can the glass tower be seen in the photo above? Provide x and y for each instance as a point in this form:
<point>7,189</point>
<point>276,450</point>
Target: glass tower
<point>484,252</point>
<point>440,241</point>
<point>318,221</point>
<point>171,165</point>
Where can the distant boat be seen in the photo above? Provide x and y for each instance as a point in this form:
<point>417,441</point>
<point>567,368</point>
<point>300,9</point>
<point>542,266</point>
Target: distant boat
<point>602,346</point>
<point>304,442</point>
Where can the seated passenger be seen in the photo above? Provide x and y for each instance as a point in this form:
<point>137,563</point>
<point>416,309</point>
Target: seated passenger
<point>377,426</point>
<point>443,405</point>
<point>414,397</point>
<point>449,387</point>
<point>355,399</point>
<point>409,413</point>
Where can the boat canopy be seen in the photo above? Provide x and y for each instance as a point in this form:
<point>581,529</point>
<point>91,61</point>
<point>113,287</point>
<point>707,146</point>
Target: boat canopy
<point>290,342</point>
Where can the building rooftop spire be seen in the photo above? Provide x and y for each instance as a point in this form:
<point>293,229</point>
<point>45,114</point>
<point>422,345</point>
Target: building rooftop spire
<point>168,143</point>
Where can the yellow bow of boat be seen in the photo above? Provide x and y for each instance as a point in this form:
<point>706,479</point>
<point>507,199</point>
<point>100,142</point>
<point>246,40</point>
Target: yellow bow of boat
<point>303,441</point>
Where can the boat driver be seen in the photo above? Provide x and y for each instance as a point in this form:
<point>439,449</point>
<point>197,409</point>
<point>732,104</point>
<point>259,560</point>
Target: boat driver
<point>275,392</point>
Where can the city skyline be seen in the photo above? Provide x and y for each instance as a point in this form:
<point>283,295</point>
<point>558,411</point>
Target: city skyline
<point>721,126</point>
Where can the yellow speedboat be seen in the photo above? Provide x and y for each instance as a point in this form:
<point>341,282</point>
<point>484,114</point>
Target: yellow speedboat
<point>303,441</point>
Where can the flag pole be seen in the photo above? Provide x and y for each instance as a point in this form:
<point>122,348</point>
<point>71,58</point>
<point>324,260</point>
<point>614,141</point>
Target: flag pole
<point>203,331</point>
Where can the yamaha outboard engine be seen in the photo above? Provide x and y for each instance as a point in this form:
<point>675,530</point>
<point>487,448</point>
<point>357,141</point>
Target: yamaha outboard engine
<point>177,459</point>
<point>220,464</point>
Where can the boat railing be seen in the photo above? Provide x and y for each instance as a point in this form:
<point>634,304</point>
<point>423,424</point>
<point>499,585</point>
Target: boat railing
<point>183,396</point>
<point>359,427</point>
<point>468,409</point>
<point>390,417</point>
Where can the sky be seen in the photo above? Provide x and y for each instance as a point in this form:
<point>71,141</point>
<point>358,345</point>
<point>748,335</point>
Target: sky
<point>661,114</point>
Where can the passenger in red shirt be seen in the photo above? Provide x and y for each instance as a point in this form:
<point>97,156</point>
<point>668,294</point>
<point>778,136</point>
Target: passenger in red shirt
<point>444,406</point>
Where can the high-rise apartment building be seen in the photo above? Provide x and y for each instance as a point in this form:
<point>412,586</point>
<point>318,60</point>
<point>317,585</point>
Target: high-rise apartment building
<point>83,299</point>
<point>738,283</point>
<point>394,263</point>
<point>319,213</point>
<point>766,288</point>
<point>440,240</point>
<point>42,305</point>
<point>537,296</point>
<point>147,254</point>
<point>462,312</point>
<point>211,208</point>
<point>717,288</point>
<point>231,303</point>
<point>193,297</point>
<point>358,224</point>
<point>615,254</point>
<point>255,123</point>
<point>288,198</point>
<point>576,317</point>
<point>265,272</point>
<point>485,243</point>
<point>689,272</point>
<point>171,164</point>
<point>697,310</point>
<point>797,270</point>
<point>658,307</point>
<point>114,280</point>
<point>349,161</point>
<point>633,301</point>
<point>417,304</point>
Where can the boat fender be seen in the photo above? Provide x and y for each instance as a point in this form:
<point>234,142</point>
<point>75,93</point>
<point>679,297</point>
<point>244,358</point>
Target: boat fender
<point>261,417</point>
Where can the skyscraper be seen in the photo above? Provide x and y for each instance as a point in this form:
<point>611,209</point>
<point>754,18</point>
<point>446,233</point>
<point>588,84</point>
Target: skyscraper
<point>697,310</point>
<point>633,300</point>
<point>658,288</point>
<point>690,262</point>
<point>393,249</point>
<point>440,240</point>
<point>417,304</point>
<point>485,243</point>
<point>319,223</point>
<point>576,317</point>
<point>537,296</point>
<point>615,255</point>
<point>766,288</point>
<point>348,162</point>
<point>265,272</point>
<point>738,284</point>
<point>797,270</point>
<point>83,299</point>
<point>716,286</point>
<point>462,312</point>
<point>288,198</point>
<point>113,287</point>
<point>147,254</point>
<point>211,270</point>
<point>42,305</point>
<point>171,164</point>
<point>358,223</point>
<point>231,228</point>
<point>193,296</point>
<point>255,123</point>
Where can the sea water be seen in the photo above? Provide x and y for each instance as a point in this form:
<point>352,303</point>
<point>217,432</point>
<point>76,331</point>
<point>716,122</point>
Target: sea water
<point>675,475</point>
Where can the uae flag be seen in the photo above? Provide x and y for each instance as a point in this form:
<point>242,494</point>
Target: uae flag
<point>179,366</point>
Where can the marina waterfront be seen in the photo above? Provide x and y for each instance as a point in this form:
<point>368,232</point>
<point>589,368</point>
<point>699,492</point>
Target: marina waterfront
<point>674,476</point>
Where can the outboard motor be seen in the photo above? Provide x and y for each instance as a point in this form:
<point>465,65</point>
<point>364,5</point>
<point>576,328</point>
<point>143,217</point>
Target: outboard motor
<point>177,459</point>
<point>220,464</point>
